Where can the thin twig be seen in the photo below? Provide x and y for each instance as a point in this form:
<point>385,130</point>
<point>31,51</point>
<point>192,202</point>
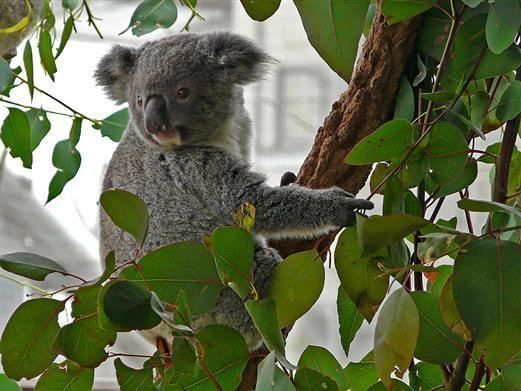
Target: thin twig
<point>26,284</point>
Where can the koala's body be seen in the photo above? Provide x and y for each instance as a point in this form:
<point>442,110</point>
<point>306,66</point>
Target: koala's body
<point>186,154</point>
<point>11,12</point>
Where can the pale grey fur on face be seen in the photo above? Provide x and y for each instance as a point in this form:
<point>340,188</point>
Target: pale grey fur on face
<point>193,172</point>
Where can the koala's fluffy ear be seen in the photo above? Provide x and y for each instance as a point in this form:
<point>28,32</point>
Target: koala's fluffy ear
<point>114,70</point>
<point>243,61</point>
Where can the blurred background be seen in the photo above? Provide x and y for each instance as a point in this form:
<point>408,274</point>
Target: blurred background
<point>287,108</point>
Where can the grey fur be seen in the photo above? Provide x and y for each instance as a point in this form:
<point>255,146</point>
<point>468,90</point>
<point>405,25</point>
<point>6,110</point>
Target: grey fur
<point>11,12</point>
<point>196,185</point>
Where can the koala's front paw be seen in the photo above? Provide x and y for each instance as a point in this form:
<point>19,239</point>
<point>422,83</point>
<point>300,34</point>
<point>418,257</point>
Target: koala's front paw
<point>345,206</point>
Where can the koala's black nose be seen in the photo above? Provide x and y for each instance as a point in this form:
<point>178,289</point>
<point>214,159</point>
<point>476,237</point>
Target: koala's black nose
<point>156,114</point>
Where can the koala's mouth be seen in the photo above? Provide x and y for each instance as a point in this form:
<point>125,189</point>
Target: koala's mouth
<point>170,138</point>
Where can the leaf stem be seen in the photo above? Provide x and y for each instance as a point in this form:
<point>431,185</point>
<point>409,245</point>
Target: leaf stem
<point>26,284</point>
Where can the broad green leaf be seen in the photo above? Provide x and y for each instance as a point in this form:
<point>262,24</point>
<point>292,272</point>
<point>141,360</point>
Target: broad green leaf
<point>186,266</point>
<point>436,343</point>
<point>151,15</point>
<point>264,315</point>
<point>7,384</point>
<point>426,377</point>
<point>361,375</point>
<point>185,359</point>
<point>260,10</point>
<point>487,206</point>
<point>439,96</point>
<point>110,266</point>
<point>335,40</point>
<point>67,159</point>
<point>396,385</point>
<point>510,104</point>
<point>433,33</point>
<point>29,265</point>
<point>39,124</point>
<point>395,335</point>
<point>70,5</point>
<point>115,124</point>
<point>225,354</point>
<point>28,337</point>
<point>479,107</point>
<point>387,142</point>
<point>492,65</point>
<point>66,376</point>
<point>127,211</point>
<point>16,136</point>
<point>349,319</point>
<point>381,231</point>
<point>404,107</point>
<point>489,305</point>
<point>130,379</point>
<point>46,56</point>
<point>436,284</point>
<point>296,285</point>
<point>503,22</point>
<point>322,361</point>
<point>85,331</point>
<point>270,377</point>
<point>371,11</point>
<point>466,178</point>
<point>66,34</point>
<point>5,74</point>
<point>232,249</point>
<point>309,380</point>
<point>449,311</point>
<point>28,65</point>
<point>398,10</point>
<point>359,274</point>
<point>125,306</point>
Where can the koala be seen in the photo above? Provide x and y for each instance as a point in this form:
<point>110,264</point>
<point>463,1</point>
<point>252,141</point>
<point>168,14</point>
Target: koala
<point>11,12</point>
<point>186,154</point>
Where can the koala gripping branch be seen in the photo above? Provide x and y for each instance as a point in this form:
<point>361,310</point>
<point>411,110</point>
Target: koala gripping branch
<point>362,108</point>
<point>367,104</point>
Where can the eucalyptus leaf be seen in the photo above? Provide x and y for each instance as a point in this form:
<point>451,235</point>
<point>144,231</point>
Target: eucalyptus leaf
<point>29,265</point>
<point>130,379</point>
<point>28,65</point>
<point>66,376</point>
<point>307,379</point>
<point>361,375</point>
<point>398,10</point>
<point>46,56</point>
<point>322,361</point>
<point>264,315</point>
<point>5,74</point>
<point>39,124</point>
<point>66,34</point>
<point>510,104</point>
<point>449,312</point>
<point>270,377</point>
<point>115,124</point>
<point>404,107</point>
<point>151,15</point>
<point>487,206</point>
<point>16,135</point>
<point>503,23</point>
<point>349,319</point>
<point>260,10</point>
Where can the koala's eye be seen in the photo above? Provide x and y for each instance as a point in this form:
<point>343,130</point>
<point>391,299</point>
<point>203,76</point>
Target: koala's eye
<point>139,101</point>
<point>183,93</point>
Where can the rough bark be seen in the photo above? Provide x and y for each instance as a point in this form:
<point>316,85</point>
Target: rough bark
<point>366,105</point>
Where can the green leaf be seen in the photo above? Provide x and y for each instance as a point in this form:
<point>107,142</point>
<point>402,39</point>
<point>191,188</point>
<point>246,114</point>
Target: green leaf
<point>436,286</point>
<point>186,266</point>
<point>5,74</point>
<point>110,266</point>
<point>130,379</point>
<point>404,107</point>
<point>510,104</point>
<point>395,335</point>
<point>335,40</point>
<point>361,375</point>
<point>85,331</point>
<point>436,343</point>
<point>7,384</point>
<point>489,305</point>
<point>151,15</point>
<point>127,211</point>
<point>115,124</point>
<point>29,265</point>
<point>226,355</point>
<point>232,249</point>
<point>449,311</point>
<point>472,3</point>
<point>448,151</point>
<point>359,274</point>
<point>185,359</point>
<point>125,306</point>
<point>371,11</point>
<point>433,33</point>
<point>381,231</point>
<point>28,65</point>
<point>66,34</point>
<point>503,22</point>
<point>438,96</point>
<point>466,178</point>
<point>397,385</point>
<point>46,56</point>
<point>39,124</point>
<point>70,5</point>
<point>67,159</point>
<point>28,337</point>
<point>264,315</point>
<point>66,376</point>
<point>492,65</point>
<point>296,285</point>
<point>426,377</point>
<point>271,378</point>
<point>349,319</point>
<point>387,142</point>
<point>260,10</point>
<point>398,10</point>
<point>487,206</point>
<point>322,361</point>
<point>309,380</point>
<point>16,135</point>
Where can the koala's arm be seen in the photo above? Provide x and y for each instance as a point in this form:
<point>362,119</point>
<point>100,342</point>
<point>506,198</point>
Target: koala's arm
<point>224,184</point>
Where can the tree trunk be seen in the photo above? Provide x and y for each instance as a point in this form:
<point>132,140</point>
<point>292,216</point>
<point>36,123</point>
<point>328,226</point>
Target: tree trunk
<point>366,105</point>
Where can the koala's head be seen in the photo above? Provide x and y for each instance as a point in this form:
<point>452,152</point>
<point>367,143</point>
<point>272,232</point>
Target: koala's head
<point>181,89</point>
